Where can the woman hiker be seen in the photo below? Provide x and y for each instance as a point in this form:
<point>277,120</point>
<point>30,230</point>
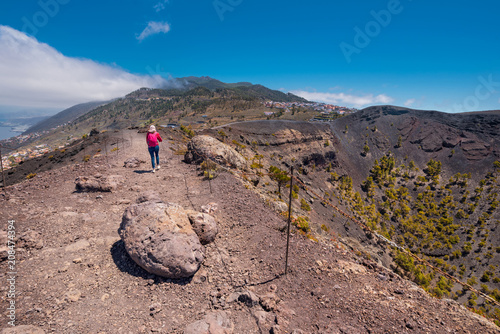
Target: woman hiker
<point>152,139</point>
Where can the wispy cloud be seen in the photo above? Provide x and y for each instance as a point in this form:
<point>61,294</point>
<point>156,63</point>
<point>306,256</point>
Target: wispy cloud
<point>345,99</point>
<point>160,5</point>
<point>35,74</point>
<point>409,102</point>
<point>154,28</point>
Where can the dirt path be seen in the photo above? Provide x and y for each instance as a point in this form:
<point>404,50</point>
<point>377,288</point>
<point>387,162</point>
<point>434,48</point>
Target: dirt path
<point>82,280</point>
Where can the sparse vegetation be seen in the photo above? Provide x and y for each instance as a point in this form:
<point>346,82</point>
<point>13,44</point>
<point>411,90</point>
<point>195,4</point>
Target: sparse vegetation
<point>188,131</point>
<point>209,169</point>
<point>280,176</point>
<point>304,205</point>
<point>366,150</point>
<point>426,219</point>
<point>302,223</point>
<point>400,142</point>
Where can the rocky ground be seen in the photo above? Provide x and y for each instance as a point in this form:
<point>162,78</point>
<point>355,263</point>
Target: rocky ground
<point>74,275</point>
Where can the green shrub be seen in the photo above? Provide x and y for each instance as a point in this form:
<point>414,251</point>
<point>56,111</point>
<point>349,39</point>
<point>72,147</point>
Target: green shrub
<point>404,261</point>
<point>302,223</point>
<point>486,277</point>
<point>188,131</point>
<point>472,281</point>
<point>304,205</point>
<point>279,176</point>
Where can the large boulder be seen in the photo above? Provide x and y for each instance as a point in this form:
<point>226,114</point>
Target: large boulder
<point>205,147</point>
<point>204,225</point>
<point>159,238</point>
<point>98,183</point>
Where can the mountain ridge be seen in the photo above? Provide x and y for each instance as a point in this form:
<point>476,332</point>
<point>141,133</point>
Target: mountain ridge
<point>64,116</point>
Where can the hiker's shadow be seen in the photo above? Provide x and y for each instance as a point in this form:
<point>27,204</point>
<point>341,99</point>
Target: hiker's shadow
<point>142,171</point>
<point>125,263</point>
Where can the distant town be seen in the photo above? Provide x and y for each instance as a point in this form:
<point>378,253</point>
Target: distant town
<point>18,156</point>
<point>323,108</point>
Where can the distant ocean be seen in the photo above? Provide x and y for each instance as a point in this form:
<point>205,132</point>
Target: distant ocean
<point>6,132</point>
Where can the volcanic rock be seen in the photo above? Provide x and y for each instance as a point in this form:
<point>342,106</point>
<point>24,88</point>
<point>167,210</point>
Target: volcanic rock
<point>212,323</point>
<point>205,147</point>
<point>3,246</point>
<point>132,163</point>
<point>204,225</point>
<point>209,208</point>
<point>30,240</point>
<point>246,297</point>
<point>98,183</point>
<point>149,196</point>
<point>160,239</point>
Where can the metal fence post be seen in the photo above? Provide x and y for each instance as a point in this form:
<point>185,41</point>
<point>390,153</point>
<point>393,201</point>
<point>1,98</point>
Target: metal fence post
<point>289,220</point>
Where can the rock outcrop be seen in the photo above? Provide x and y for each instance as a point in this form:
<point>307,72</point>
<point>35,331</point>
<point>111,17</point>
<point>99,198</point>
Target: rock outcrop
<point>202,147</point>
<point>159,238</point>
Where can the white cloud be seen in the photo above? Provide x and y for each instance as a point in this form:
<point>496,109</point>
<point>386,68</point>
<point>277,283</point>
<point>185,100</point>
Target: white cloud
<point>34,74</point>
<point>345,99</point>
<point>160,5</point>
<point>154,28</point>
<point>409,102</point>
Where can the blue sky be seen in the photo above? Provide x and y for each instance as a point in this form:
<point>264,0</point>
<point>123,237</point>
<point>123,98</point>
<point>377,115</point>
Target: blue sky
<point>423,54</point>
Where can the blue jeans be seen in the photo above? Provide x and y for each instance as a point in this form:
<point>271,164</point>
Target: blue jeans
<point>153,151</point>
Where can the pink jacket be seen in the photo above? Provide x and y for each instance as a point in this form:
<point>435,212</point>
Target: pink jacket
<point>153,138</point>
